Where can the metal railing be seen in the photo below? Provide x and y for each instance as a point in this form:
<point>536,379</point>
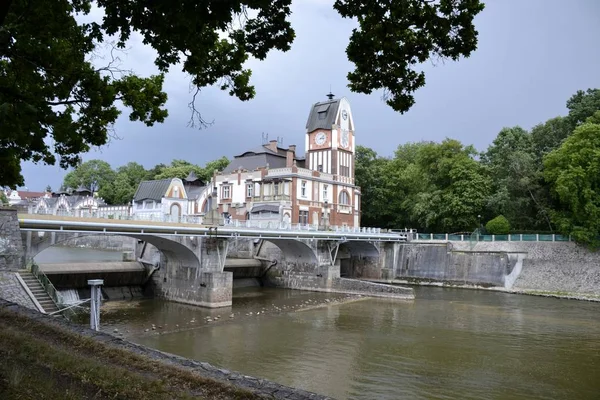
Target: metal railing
<point>46,284</point>
<point>513,237</point>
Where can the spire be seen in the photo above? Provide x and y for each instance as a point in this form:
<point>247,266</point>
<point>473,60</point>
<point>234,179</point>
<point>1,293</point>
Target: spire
<point>330,95</point>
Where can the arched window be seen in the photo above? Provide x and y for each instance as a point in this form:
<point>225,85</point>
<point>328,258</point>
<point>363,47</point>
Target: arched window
<point>344,198</point>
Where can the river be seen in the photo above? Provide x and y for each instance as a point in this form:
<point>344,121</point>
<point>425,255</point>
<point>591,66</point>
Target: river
<point>446,344</point>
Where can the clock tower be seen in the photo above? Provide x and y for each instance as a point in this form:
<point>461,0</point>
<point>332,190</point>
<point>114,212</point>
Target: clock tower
<point>329,143</point>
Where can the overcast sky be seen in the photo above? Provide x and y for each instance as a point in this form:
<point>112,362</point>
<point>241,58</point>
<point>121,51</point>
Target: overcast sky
<point>532,56</point>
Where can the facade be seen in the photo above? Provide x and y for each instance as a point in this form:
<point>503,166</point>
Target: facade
<point>272,186</point>
<point>176,200</point>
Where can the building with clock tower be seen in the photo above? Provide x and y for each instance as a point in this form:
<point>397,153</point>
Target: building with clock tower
<point>272,186</point>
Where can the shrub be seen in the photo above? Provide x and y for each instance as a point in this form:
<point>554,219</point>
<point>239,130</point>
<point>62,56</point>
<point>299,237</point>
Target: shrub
<point>498,226</point>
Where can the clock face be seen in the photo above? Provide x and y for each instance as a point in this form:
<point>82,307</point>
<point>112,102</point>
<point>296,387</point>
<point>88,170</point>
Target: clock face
<point>344,115</point>
<point>345,138</point>
<point>320,138</point>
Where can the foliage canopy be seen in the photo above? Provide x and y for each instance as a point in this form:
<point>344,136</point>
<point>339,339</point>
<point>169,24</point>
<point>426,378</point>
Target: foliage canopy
<point>56,104</point>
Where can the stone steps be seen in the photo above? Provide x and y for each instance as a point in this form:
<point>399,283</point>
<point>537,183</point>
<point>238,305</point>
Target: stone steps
<point>38,291</point>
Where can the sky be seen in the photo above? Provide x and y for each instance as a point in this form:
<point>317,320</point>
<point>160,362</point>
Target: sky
<point>532,56</point>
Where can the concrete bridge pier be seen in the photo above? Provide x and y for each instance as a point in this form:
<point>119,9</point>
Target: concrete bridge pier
<point>198,279</point>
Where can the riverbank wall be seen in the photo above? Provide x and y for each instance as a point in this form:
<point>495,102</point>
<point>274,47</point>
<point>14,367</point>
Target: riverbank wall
<point>134,356</point>
<point>562,269</point>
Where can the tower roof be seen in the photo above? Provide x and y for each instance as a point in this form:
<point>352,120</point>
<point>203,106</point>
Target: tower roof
<point>322,115</point>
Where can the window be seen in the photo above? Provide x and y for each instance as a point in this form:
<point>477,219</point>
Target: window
<point>175,191</point>
<point>303,189</point>
<point>344,198</point>
<point>303,217</point>
<point>320,167</point>
<point>325,197</point>
<point>250,190</point>
<point>226,191</point>
<point>344,171</point>
<point>276,189</point>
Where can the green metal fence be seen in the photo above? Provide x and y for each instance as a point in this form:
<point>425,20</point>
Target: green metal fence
<point>477,237</point>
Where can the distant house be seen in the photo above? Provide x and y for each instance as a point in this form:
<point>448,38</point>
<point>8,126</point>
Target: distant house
<point>17,196</point>
<point>73,205</point>
<point>170,199</point>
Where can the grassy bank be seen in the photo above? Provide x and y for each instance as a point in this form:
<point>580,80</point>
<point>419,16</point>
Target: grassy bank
<point>42,360</point>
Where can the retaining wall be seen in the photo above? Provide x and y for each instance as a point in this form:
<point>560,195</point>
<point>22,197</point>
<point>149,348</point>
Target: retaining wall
<point>553,267</point>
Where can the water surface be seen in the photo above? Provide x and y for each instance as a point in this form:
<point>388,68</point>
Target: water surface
<point>446,344</point>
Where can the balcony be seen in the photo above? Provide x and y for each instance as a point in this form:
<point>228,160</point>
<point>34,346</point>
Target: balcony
<point>272,197</point>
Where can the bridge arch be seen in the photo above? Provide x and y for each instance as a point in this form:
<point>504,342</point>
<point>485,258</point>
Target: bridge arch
<point>360,249</point>
<point>298,256</point>
<point>175,253</point>
<point>359,259</point>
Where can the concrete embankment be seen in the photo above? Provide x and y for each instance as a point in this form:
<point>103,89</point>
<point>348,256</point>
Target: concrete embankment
<point>59,357</point>
<point>560,269</point>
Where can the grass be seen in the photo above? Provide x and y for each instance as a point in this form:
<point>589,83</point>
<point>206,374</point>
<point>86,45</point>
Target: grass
<point>44,361</point>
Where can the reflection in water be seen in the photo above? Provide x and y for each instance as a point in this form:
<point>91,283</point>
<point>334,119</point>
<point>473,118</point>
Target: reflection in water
<point>445,344</point>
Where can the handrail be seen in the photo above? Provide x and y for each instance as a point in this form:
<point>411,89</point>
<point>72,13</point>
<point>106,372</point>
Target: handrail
<point>476,237</point>
<point>46,284</point>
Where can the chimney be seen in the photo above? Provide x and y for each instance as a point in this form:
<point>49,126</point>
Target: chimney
<point>290,155</point>
<point>272,145</point>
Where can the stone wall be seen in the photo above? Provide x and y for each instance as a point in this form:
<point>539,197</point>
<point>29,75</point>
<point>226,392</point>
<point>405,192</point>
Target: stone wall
<point>12,256</point>
<point>11,290</point>
<point>553,267</point>
<point>443,262</point>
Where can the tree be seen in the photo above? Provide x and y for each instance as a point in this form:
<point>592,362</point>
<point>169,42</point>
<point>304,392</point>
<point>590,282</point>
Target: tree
<point>394,36</point>
<point>457,188</point>
<point>95,175</point>
<point>498,226</point>
<point>582,105</point>
<point>153,172</point>
<point>50,89</point>
<point>216,165</point>
<point>518,190</point>
<point>369,175</point>
<point>179,169</point>
<point>128,178</point>
<point>573,172</point>
<point>549,135</point>
<point>3,198</point>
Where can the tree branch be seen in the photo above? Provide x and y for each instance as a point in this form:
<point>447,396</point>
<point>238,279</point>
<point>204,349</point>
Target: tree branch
<point>4,6</point>
<point>196,118</point>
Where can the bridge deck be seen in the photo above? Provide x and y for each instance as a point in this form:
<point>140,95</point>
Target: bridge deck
<point>41,222</point>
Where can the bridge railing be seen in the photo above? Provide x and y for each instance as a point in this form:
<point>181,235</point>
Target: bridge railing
<point>257,224</point>
<point>46,284</point>
<point>513,237</point>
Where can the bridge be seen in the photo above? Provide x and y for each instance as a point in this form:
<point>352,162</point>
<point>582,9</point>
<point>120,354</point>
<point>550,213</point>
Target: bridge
<point>193,257</point>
